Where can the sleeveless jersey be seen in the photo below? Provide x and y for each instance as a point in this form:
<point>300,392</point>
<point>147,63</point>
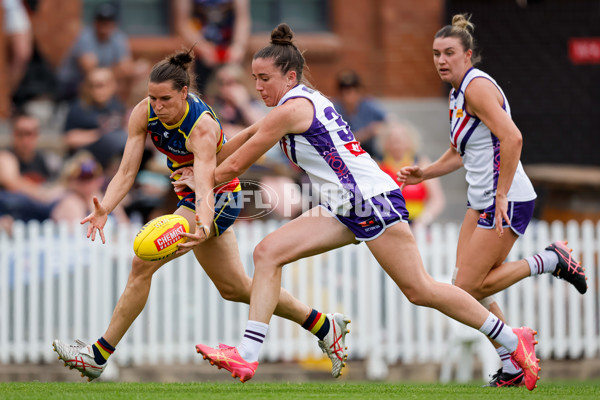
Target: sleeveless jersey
<point>332,158</point>
<point>171,139</point>
<point>480,150</point>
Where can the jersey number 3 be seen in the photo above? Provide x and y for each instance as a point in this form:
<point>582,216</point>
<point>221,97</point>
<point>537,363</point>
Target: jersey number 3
<point>345,133</point>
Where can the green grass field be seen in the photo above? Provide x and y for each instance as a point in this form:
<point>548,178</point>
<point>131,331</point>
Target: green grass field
<point>290,391</point>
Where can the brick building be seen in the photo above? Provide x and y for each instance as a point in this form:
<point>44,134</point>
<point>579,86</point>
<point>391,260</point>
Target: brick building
<point>386,41</point>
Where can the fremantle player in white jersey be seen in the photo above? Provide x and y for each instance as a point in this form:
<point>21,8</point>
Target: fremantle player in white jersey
<point>361,204</point>
<point>485,140</point>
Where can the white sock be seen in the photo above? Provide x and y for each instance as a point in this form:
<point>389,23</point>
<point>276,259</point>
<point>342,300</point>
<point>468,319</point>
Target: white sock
<point>508,365</point>
<point>495,329</point>
<point>253,339</point>
<point>543,262</point>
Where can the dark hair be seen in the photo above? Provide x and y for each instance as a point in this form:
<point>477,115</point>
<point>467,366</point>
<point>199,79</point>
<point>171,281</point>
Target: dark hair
<point>462,29</point>
<point>106,12</point>
<point>284,53</point>
<point>20,113</point>
<point>348,78</point>
<point>176,68</point>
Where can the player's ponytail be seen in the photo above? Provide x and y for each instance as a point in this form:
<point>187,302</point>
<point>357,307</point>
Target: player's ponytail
<point>462,21</point>
<point>175,68</point>
<point>461,28</point>
<point>283,51</point>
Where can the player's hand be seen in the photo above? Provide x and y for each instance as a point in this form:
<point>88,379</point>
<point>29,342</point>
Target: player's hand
<point>501,213</point>
<point>97,220</point>
<point>201,234</point>
<point>186,178</point>
<point>410,175</point>
<point>183,171</point>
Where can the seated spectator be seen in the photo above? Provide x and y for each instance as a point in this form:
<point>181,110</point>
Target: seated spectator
<point>152,194</point>
<point>83,178</point>
<point>218,29</point>
<point>18,40</point>
<point>96,121</point>
<point>6,224</point>
<point>399,143</point>
<point>363,113</point>
<point>232,100</point>
<point>26,174</point>
<point>104,45</point>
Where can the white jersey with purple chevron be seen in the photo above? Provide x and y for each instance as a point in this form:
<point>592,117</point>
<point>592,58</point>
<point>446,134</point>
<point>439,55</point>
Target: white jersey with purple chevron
<point>328,152</point>
<point>480,150</point>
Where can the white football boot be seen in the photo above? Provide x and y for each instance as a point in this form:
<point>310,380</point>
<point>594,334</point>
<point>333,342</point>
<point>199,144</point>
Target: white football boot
<point>334,343</point>
<point>79,356</point>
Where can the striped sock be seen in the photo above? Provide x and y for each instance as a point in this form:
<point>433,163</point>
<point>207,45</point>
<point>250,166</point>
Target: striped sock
<point>542,262</point>
<point>253,339</point>
<point>508,364</point>
<point>495,329</point>
<point>317,323</point>
<point>102,350</point>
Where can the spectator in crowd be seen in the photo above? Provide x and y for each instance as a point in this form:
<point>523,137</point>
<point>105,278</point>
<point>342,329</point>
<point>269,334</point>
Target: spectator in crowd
<point>363,113</point>
<point>103,45</point>
<point>218,29</point>
<point>232,100</point>
<point>96,120</point>
<point>83,179</point>
<point>6,223</point>
<point>152,193</point>
<point>19,41</point>
<point>399,143</point>
<point>26,174</point>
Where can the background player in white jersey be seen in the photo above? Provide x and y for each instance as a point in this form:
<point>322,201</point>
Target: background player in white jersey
<point>486,141</point>
<point>362,204</point>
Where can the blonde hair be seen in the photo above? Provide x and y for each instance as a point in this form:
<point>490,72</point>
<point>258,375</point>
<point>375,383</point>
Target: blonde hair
<point>395,126</point>
<point>461,28</point>
<point>463,21</point>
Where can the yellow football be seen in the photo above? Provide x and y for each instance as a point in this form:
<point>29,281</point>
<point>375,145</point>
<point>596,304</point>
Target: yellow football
<point>160,237</point>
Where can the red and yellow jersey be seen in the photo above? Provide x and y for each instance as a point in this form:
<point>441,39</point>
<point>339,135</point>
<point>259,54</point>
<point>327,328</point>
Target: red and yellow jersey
<point>415,196</point>
<point>171,139</point>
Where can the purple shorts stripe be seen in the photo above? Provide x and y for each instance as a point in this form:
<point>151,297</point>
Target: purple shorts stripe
<point>367,219</point>
<point>519,212</point>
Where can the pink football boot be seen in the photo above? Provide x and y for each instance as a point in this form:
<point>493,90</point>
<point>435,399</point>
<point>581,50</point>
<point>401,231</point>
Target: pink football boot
<point>228,357</point>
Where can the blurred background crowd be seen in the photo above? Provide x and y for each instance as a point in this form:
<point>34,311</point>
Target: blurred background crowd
<point>72,76</point>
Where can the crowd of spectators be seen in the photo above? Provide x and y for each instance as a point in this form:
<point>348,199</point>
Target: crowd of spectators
<point>94,84</point>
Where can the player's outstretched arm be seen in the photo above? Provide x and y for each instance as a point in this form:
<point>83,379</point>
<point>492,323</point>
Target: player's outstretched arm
<point>123,180</point>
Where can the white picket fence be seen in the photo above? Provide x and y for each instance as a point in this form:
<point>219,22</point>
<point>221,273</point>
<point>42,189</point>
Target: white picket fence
<point>55,283</point>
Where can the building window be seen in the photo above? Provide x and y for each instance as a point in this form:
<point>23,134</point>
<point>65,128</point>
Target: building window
<point>301,16</point>
<point>136,17</point>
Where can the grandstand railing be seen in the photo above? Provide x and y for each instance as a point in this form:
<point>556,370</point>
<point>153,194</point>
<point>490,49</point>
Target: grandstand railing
<point>55,283</point>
